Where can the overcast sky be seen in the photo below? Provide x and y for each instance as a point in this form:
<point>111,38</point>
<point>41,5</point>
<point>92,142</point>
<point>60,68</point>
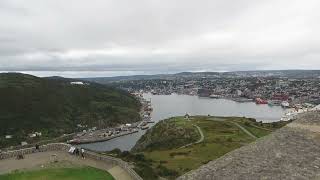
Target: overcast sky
<point>76,38</point>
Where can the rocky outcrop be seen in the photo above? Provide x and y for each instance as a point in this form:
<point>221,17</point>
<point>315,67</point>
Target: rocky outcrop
<point>292,152</point>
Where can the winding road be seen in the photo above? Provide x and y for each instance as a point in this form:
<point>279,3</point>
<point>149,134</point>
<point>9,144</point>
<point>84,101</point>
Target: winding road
<point>199,141</point>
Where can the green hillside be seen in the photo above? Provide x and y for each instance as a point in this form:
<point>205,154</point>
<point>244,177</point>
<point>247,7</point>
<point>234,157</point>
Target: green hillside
<point>54,106</point>
<point>174,146</point>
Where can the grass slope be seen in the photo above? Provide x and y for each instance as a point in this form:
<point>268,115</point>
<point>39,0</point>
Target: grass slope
<point>54,106</point>
<point>83,173</point>
<point>221,136</point>
<point>168,134</point>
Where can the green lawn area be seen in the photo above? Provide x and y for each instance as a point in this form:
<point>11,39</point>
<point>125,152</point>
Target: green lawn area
<point>221,136</point>
<point>78,173</point>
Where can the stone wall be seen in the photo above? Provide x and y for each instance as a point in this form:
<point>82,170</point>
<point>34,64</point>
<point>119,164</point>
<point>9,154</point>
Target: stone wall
<point>43,148</point>
<point>66,147</point>
<point>114,161</point>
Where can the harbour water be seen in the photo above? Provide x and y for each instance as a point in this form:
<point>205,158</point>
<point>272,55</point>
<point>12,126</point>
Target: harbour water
<point>165,106</point>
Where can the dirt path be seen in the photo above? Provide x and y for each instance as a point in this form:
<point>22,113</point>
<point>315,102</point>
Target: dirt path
<point>43,159</point>
<point>245,130</point>
<point>199,141</point>
<point>241,127</point>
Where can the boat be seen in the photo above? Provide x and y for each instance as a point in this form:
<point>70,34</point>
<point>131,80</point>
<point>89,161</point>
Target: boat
<point>261,101</point>
<point>285,104</point>
<point>144,123</point>
<point>214,96</point>
<point>241,100</point>
<point>144,127</point>
<point>274,103</point>
<point>74,141</point>
<point>148,109</point>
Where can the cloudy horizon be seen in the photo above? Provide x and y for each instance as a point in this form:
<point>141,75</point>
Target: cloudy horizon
<point>111,38</point>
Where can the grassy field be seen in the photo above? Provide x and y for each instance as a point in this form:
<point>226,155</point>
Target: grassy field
<point>221,135</point>
<point>76,173</point>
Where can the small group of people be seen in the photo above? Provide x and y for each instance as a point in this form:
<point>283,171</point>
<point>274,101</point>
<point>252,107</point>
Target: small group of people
<point>77,151</point>
<point>20,156</point>
<point>37,147</point>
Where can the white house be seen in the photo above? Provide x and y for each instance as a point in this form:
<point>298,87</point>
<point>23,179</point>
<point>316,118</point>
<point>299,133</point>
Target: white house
<point>128,125</point>
<point>77,83</point>
<point>32,135</point>
<point>8,136</point>
<point>36,134</point>
<point>24,143</point>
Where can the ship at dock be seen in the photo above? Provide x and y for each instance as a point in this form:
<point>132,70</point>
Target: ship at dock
<point>261,101</point>
<point>274,103</point>
<point>215,96</point>
<point>144,125</point>
<point>242,100</point>
<point>285,104</point>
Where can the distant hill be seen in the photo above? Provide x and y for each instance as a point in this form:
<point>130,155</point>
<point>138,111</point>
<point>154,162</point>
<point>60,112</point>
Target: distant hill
<point>279,73</point>
<point>55,106</point>
<point>264,73</point>
<point>106,80</point>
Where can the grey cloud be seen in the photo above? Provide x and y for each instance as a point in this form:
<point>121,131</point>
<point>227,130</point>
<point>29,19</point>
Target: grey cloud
<point>154,36</point>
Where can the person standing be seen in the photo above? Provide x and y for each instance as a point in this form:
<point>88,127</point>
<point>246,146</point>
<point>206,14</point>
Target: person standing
<point>82,153</point>
<point>37,147</point>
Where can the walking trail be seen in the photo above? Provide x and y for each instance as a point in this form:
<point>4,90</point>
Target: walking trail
<point>241,127</point>
<point>202,136</point>
<point>245,130</point>
<point>199,141</point>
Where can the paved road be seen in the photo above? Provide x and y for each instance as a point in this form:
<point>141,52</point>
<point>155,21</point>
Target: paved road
<point>245,130</point>
<point>199,141</point>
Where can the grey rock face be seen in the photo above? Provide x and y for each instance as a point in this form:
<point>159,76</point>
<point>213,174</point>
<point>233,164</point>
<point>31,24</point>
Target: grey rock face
<point>289,153</point>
